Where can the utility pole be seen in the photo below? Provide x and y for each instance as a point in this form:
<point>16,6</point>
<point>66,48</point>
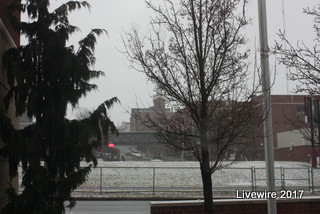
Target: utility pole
<point>268,135</point>
<point>312,112</point>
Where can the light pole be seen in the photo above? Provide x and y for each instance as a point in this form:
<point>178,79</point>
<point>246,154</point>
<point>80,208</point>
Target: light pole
<point>268,135</point>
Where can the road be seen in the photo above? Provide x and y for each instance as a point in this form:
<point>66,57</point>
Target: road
<point>111,207</point>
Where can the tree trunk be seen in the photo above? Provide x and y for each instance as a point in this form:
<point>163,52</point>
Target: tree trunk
<point>207,191</point>
<point>206,180</point>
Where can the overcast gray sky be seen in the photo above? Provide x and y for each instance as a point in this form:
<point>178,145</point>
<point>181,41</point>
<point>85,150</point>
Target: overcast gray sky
<point>131,86</point>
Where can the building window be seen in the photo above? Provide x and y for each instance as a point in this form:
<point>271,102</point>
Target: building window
<point>300,110</point>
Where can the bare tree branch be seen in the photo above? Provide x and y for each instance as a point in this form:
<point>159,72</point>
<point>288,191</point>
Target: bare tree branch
<point>304,60</point>
<point>196,55</point>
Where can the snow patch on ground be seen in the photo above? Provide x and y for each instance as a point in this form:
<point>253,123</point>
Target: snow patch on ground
<point>170,178</point>
<point>187,174</point>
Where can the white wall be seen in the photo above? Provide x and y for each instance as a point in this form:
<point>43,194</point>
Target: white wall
<point>289,138</point>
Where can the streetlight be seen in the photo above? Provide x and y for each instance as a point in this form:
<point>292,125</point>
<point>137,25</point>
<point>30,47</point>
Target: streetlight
<point>268,135</point>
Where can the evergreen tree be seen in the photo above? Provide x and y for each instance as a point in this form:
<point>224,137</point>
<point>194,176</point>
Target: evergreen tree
<point>44,77</point>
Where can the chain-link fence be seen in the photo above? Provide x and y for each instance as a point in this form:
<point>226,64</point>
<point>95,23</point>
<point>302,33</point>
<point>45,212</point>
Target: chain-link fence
<point>188,179</point>
<point>153,180</point>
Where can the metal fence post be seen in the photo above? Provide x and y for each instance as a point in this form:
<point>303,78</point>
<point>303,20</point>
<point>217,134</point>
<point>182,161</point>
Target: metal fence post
<point>309,178</point>
<point>312,181</point>
<point>100,180</point>
<point>283,186</point>
<point>253,178</point>
<point>154,180</point>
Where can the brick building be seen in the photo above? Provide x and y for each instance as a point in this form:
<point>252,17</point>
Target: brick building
<point>8,38</point>
<point>288,113</point>
<point>142,132</point>
<point>289,143</point>
<point>141,118</point>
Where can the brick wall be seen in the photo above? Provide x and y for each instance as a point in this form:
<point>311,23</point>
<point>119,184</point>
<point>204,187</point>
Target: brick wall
<point>297,153</point>
<point>5,19</point>
<point>284,107</point>
<point>299,206</point>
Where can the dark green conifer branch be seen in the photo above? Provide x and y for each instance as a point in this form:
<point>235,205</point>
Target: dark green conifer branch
<point>44,76</point>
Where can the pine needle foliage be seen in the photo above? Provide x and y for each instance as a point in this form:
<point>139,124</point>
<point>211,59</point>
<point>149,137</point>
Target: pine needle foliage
<point>44,76</point>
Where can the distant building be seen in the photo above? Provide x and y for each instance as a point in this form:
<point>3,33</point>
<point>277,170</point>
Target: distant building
<point>145,142</point>
<point>8,38</point>
<point>139,133</point>
<point>287,112</point>
<point>124,127</point>
<point>142,118</point>
<point>289,143</point>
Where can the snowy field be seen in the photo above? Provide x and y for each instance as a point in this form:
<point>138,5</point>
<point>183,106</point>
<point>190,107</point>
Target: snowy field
<point>185,176</point>
<point>168,178</point>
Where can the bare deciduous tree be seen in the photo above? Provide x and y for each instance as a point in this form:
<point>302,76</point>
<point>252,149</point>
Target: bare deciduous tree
<point>303,59</point>
<point>195,54</point>
<point>305,63</point>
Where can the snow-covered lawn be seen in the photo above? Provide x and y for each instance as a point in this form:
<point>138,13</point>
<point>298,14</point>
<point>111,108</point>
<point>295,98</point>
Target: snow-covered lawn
<point>173,177</point>
<point>186,175</point>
